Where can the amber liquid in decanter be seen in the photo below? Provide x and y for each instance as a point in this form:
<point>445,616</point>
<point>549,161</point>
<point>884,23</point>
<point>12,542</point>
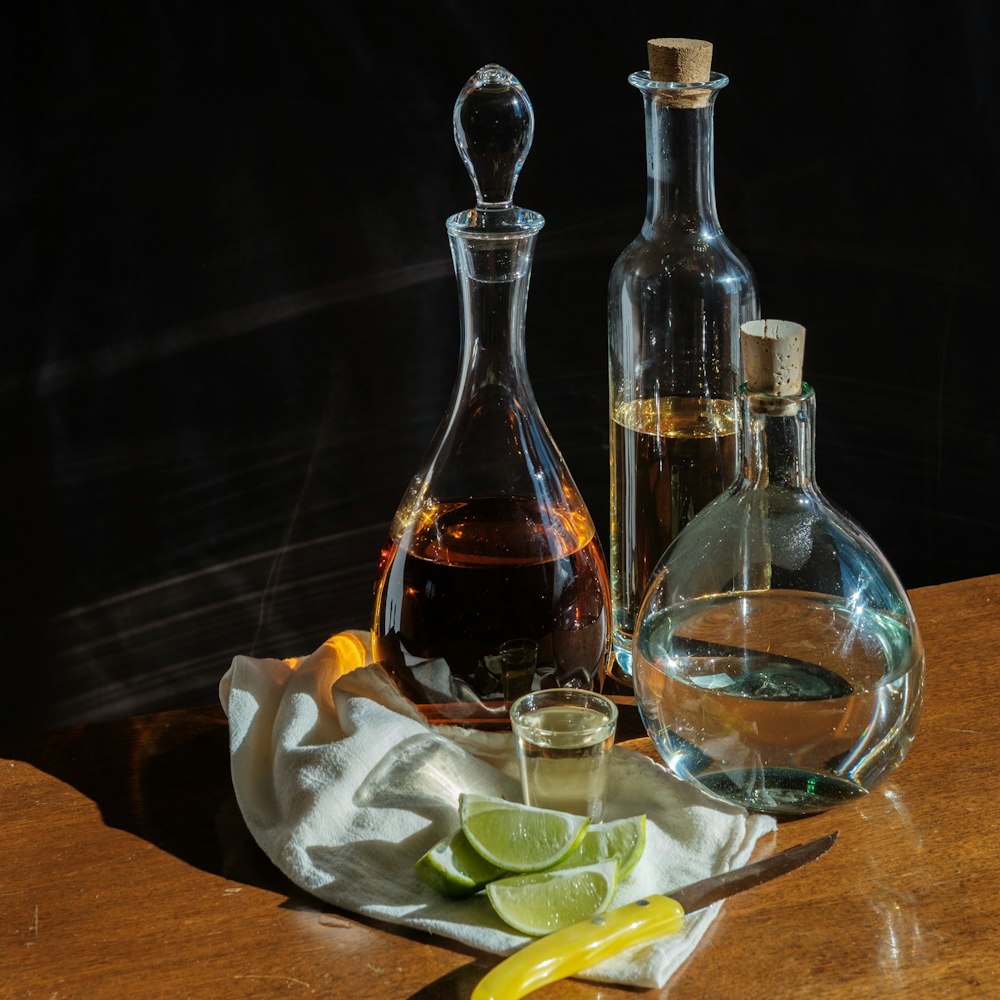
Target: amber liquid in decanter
<point>472,575</point>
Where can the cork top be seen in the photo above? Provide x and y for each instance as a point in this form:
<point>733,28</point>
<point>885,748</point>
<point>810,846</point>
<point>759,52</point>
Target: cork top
<point>773,350</point>
<point>680,60</point>
<point>683,69</point>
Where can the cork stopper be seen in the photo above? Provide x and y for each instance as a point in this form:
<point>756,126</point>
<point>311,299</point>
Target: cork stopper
<point>681,60</point>
<point>773,350</point>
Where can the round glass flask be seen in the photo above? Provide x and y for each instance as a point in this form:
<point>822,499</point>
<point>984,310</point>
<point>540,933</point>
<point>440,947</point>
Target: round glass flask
<point>777,661</point>
<point>492,582</point>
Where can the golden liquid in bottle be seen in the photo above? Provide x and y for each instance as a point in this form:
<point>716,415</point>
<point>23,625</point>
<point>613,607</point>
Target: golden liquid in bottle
<point>462,578</point>
<point>670,457</point>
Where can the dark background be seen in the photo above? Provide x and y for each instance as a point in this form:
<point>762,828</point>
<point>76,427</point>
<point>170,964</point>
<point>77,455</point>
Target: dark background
<point>229,322</point>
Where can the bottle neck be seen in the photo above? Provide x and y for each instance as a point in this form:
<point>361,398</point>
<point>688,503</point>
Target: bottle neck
<point>680,166</point>
<point>493,275</point>
<point>777,438</point>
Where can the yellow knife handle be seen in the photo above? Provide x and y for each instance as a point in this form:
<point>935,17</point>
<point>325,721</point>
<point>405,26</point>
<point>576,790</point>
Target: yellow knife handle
<point>564,953</point>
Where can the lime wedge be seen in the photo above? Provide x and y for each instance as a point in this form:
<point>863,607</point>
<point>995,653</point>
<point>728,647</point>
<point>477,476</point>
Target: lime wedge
<point>516,837</point>
<point>542,902</point>
<point>621,840</point>
<point>453,868</point>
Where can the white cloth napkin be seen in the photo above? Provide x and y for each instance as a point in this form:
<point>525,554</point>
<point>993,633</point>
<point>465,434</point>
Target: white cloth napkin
<point>344,786</point>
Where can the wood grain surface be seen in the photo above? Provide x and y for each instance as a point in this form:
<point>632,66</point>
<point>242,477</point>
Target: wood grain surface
<point>126,870</point>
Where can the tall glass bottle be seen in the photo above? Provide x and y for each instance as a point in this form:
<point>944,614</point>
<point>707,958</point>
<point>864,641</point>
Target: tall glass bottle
<point>777,662</point>
<point>677,296</point>
<point>492,581</point>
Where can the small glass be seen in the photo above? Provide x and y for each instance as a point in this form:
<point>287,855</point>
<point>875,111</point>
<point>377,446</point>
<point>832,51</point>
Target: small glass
<point>563,738</point>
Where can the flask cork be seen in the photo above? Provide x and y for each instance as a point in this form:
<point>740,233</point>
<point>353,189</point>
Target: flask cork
<point>773,351</point>
<point>681,60</point>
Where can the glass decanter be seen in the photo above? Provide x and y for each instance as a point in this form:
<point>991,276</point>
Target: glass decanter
<point>677,296</point>
<point>492,582</point>
<point>777,662</point>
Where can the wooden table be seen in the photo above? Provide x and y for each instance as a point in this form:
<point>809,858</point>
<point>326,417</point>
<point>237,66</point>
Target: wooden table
<point>126,870</point>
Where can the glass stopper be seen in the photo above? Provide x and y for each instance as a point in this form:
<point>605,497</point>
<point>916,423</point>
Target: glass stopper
<point>494,124</point>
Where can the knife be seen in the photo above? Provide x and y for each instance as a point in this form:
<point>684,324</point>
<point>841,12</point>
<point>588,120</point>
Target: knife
<point>564,953</point>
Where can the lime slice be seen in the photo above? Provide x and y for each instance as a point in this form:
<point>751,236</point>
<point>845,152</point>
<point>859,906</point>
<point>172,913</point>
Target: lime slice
<point>622,840</point>
<point>542,902</point>
<point>516,837</point>
<point>453,868</point>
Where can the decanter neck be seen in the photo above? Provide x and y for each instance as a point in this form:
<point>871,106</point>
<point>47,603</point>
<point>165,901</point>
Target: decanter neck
<point>493,273</point>
<point>680,191</point>
<point>777,438</point>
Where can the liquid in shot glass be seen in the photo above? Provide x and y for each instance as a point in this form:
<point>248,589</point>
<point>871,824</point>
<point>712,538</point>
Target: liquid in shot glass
<point>563,738</point>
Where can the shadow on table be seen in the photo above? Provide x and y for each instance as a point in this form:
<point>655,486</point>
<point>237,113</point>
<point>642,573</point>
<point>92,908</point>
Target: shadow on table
<point>164,778</point>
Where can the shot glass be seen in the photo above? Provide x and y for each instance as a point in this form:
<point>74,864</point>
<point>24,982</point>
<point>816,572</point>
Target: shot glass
<point>563,738</point>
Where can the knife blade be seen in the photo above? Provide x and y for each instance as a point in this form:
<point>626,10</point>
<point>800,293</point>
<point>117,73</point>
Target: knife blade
<point>564,953</point>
